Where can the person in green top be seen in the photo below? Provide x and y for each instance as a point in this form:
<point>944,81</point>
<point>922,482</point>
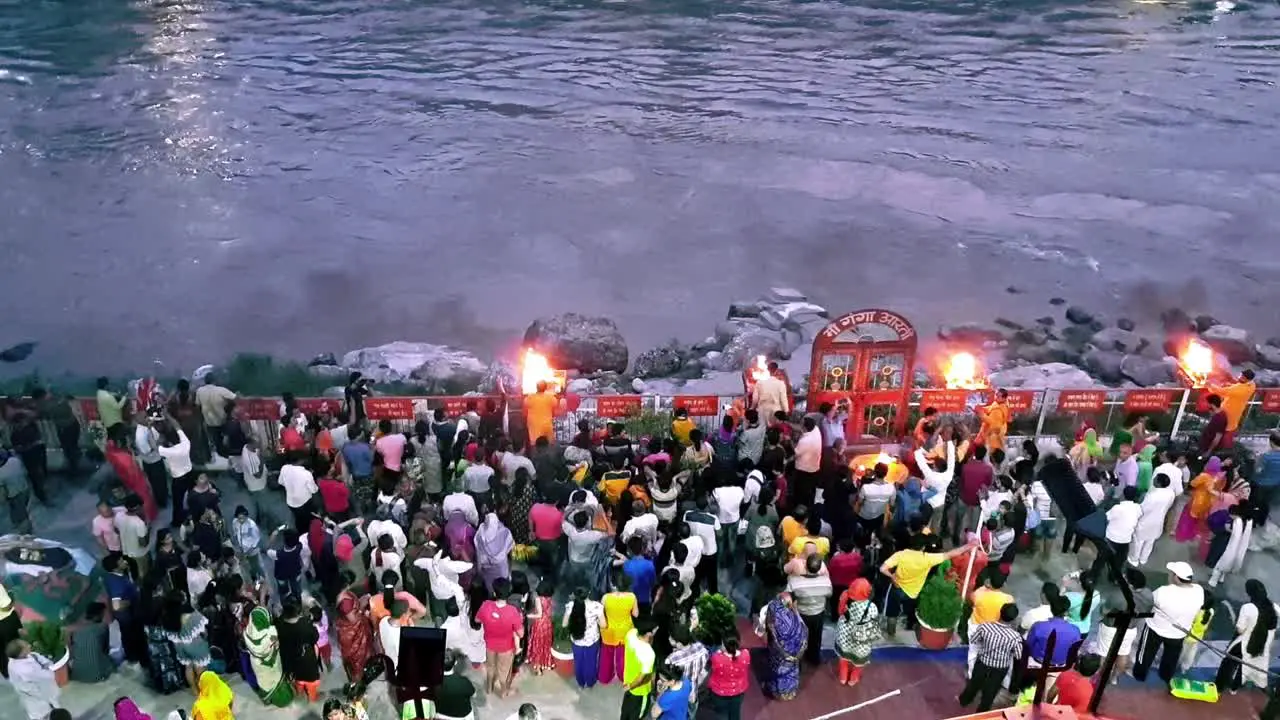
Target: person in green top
<point>637,677</point>
<point>110,407</point>
<point>1146,467</point>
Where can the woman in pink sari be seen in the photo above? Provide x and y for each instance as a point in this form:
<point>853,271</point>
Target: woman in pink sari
<point>131,476</point>
<point>462,543</point>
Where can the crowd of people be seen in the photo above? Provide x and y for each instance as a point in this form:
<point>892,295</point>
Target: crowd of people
<point>609,540</point>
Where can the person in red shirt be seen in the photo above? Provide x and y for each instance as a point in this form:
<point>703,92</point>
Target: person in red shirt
<point>503,627</point>
<point>336,497</point>
<point>844,567</point>
<point>1074,688</point>
<point>291,440</point>
<point>975,476</point>
<point>727,681</point>
<point>546,520</point>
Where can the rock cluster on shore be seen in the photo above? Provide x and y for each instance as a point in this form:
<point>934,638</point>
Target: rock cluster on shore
<point>1068,347</point>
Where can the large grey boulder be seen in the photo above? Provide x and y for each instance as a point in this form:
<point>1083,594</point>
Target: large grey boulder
<point>582,342</point>
<point>1269,357</point>
<point>500,374</point>
<point>400,360</point>
<point>658,362</point>
<point>1106,365</point>
<point>1078,315</point>
<point>323,359</point>
<point>1235,343</point>
<point>1148,372</point>
<point>975,334</point>
<point>1048,376</point>
<point>727,330</point>
<point>1113,338</point>
<point>743,349</point>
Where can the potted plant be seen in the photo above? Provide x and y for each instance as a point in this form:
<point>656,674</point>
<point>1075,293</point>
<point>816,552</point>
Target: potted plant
<point>938,612</point>
<point>48,639</point>
<point>717,619</point>
<point>562,647</point>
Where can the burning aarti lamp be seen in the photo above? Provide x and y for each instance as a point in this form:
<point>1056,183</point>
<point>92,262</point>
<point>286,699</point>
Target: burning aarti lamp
<point>1196,363</point>
<point>964,371</point>
<point>861,465</point>
<point>535,368</point>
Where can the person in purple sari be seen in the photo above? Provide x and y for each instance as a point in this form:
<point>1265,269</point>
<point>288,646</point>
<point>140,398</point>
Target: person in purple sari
<point>461,537</point>
<point>493,549</point>
<point>787,637</point>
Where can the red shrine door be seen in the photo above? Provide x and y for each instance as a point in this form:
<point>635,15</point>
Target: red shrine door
<point>864,361</point>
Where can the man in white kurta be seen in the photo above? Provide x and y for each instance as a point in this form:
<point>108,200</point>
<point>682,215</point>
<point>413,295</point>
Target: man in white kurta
<point>1155,507</point>
<point>32,678</point>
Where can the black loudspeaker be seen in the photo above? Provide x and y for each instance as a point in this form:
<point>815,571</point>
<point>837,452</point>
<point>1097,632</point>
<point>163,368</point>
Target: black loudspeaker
<point>1074,504</point>
<point>421,661</point>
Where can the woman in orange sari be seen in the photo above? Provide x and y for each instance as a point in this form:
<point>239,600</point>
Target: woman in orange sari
<point>1205,488</point>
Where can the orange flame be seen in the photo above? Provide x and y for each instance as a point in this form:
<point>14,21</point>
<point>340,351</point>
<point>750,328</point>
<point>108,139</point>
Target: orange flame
<point>535,369</point>
<point>964,372</point>
<point>760,370</point>
<point>1197,362</point>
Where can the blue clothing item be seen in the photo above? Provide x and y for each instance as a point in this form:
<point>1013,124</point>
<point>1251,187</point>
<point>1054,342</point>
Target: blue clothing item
<point>122,588</point>
<point>1038,640</point>
<point>359,458</point>
<point>674,704</point>
<point>586,664</point>
<point>1268,472</point>
<point>643,576</point>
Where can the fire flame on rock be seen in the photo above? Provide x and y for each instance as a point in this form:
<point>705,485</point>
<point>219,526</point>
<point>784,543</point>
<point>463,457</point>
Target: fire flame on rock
<point>963,372</point>
<point>535,369</point>
<point>760,370</point>
<point>1196,362</point>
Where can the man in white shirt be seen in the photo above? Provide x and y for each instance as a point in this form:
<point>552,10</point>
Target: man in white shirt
<point>873,499</point>
<point>770,394</point>
<point>443,573</point>
<point>808,461</point>
<point>146,440</point>
<point>1175,467</point>
<point>755,483</point>
<point>1176,607</point>
<point>463,503</point>
<point>384,525</point>
<point>706,527</point>
<point>214,401</point>
<point>1122,522</point>
<point>729,497</point>
<point>643,524</point>
<point>175,449</point>
<point>1155,509</point>
<point>512,461</point>
<point>1043,504</point>
<point>135,536</point>
<point>299,488</point>
<point>1126,469</point>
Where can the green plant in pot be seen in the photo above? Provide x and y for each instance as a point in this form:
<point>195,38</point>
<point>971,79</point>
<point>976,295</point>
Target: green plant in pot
<point>717,619</point>
<point>46,638</point>
<point>938,611</point>
<point>561,640</point>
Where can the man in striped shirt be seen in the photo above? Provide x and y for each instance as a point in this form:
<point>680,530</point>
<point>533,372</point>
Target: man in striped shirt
<point>999,647</point>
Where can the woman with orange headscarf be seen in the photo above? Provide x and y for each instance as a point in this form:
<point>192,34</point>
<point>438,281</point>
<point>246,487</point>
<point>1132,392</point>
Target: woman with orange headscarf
<point>857,631</point>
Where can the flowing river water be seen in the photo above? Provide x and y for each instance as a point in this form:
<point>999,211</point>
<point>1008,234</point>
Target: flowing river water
<point>181,180</point>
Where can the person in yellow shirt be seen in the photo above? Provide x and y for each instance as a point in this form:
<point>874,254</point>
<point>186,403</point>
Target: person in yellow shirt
<point>812,528</point>
<point>794,526</point>
<point>681,426</point>
<point>908,569</point>
<point>987,602</point>
<point>995,421</point>
<point>1235,398</point>
<point>540,410</point>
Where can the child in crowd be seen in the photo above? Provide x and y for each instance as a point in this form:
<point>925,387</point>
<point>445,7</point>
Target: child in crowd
<point>1191,645</point>
<point>246,541</point>
<point>198,574</point>
<point>255,473</point>
<point>104,529</point>
<point>323,648</point>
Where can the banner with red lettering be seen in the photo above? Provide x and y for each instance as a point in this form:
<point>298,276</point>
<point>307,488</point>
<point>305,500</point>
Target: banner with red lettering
<point>1021,401</point>
<point>1076,401</point>
<point>704,405</point>
<point>616,406</point>
<point>388,408</point>
<point>1271,401</point>
<point>458,405</point>
<point>259,408</point>
<point>1150,400</point>
<point>315,406</point>
<point>945,401</point>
